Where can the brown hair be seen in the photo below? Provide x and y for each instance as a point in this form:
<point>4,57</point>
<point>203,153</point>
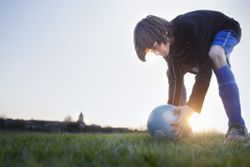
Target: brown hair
<point>149,30</point>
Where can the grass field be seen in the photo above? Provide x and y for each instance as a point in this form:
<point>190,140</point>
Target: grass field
<point>120,149</point>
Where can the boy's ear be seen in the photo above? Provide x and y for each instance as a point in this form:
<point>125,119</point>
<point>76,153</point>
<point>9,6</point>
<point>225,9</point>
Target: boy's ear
<point>166,36</point>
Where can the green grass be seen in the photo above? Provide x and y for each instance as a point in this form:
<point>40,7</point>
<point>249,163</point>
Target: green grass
<point>124,149</point>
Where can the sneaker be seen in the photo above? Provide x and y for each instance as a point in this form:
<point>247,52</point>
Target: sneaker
<point>237,133</point>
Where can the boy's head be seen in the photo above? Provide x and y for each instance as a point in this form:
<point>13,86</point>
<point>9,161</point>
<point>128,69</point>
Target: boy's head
<point>150,30</point>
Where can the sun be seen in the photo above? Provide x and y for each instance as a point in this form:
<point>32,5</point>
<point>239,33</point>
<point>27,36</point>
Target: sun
<point>197,123</point>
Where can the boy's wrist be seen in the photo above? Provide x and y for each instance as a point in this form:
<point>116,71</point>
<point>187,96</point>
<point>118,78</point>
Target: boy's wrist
<point>190,109</point>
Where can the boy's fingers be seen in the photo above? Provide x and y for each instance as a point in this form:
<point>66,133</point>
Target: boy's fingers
<point>180,130</point>
<point>176,123</point>
<point>176,132</point>
<point>175,128</point>
<point>176,112</point>
<point>186,131</point>
<point>180,134</point>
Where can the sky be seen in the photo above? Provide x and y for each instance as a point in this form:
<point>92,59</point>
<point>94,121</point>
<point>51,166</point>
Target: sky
<point>59,58</point>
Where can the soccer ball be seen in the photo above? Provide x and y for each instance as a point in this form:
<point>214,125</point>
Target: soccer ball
<point>160,120</point>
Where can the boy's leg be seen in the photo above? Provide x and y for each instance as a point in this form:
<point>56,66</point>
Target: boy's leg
<point>228,88</point>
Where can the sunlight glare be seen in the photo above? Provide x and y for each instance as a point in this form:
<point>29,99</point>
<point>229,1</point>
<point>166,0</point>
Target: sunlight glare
<point>196,123</point>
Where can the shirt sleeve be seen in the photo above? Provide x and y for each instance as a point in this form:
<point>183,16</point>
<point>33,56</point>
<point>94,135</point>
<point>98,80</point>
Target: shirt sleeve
<point>187,31</point>
<point>203,77</point>
<point>200,88</point>
<point>175,83</point>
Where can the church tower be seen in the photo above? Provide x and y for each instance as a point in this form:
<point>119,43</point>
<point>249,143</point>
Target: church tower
<point>80,120</point>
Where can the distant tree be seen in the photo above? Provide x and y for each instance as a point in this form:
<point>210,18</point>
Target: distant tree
<point>3,116</point>
<point>68,119</point>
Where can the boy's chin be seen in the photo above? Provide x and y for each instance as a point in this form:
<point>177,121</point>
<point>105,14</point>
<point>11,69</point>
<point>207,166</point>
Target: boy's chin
<point>165,55</point>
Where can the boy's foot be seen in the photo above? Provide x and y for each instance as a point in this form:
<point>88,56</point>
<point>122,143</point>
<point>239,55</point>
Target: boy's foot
<point>237,133</point>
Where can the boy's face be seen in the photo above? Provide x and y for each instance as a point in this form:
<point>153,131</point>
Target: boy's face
<point>161,49</point>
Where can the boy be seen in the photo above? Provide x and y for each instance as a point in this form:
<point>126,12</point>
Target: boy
<point>197,42</point>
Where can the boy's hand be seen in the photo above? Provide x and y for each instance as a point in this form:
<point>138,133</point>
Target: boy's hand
<point>181,126</point>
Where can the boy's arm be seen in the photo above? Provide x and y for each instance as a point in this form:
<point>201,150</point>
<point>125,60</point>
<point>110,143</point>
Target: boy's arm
<point>202,81</point>
<point>175,83</point>
<point>180,127</point>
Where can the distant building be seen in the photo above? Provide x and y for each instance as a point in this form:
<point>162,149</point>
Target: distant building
<point>80,120</point>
